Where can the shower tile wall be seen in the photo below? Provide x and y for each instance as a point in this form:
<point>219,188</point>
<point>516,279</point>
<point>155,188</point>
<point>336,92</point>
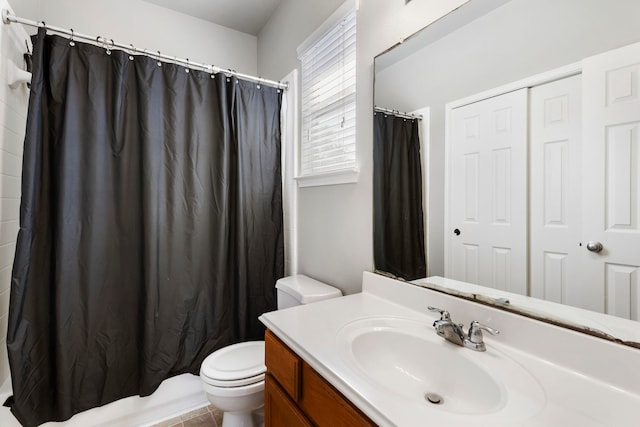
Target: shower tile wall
<point>13,117</point>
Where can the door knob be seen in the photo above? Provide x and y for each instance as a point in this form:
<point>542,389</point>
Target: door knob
<point>456,232</point>
<point>594,246</point>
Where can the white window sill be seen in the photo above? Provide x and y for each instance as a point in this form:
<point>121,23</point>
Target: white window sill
<point>346,176</point>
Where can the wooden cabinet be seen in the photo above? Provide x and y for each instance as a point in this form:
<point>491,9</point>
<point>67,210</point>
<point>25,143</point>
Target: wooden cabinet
<point>296,395</point>
<point>279,409</point>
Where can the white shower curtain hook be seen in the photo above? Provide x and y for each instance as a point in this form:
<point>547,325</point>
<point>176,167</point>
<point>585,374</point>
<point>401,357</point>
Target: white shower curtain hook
<point>133,50</point>
<point>71,42</point>
<point>212,75</point>
<point>187,67</point>
<point>159,63</point>
<point>109,47</point>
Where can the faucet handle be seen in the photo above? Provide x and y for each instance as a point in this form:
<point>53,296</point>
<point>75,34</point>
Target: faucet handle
<point>444,314</point>
<point>475,331</point>
<point>474,339</point>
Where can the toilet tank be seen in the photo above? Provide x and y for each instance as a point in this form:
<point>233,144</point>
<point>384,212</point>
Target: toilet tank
<point>301,289</point>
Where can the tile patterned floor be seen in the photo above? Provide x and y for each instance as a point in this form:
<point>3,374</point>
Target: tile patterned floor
<point>208,416</point>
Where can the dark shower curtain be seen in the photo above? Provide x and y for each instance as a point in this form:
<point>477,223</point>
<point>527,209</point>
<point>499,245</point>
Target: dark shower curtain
<point>150,225</point>
<point>397,198</point>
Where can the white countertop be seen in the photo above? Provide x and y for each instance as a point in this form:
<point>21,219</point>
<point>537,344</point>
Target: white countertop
<point>584,381</point>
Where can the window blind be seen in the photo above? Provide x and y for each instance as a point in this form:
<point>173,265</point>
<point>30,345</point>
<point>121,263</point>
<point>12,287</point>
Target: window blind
<point>328,74</point>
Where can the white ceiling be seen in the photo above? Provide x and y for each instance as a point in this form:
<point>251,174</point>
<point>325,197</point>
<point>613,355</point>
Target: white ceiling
<point>247,16</point>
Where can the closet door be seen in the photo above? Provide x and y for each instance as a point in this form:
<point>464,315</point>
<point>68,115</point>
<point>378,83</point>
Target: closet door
<point>611,179</point>
<point>488,192</point>
<point>555,187</point>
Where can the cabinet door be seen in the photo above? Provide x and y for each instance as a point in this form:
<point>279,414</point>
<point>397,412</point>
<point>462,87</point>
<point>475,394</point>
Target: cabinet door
<point>283,364</point>
<point>279,410</point>
<point>488,193</point>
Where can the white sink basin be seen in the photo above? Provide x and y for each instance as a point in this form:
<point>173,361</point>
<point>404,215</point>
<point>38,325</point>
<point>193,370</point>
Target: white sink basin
<point>406,358</point>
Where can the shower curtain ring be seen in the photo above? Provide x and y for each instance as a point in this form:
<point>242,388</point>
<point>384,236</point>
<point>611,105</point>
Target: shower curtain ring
<point>108,46</point>
<point>187,68</point>
<point>133,50</point>
<point>71,42</point>
<point>159,63</point>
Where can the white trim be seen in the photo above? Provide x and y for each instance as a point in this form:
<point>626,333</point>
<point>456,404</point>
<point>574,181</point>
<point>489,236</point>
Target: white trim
<point>447,199</point>
<point>340,13</point>
<point>290,143</point>
<point>531,81</point>
<point>528,82</point>
<point>346,176</point>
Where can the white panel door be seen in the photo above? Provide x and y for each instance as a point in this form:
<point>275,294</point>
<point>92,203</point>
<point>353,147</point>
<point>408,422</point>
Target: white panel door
<point>555,186</point>
<point>488,192</point>
<point>611,179</point>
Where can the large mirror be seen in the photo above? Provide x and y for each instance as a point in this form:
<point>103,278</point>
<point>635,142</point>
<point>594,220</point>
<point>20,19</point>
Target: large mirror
<point>527,169</point>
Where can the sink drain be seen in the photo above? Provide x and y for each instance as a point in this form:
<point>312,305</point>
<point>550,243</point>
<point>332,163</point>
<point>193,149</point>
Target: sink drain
<point>434,398</point>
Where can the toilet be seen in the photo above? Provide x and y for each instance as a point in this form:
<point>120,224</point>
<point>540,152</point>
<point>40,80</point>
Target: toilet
<point>233,376</point>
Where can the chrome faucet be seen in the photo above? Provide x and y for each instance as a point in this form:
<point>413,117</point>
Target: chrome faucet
<point>455,332</point>
<point>447,329</point>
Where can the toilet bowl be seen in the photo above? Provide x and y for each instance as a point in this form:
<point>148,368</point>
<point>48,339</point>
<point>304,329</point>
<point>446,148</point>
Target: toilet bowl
<point>233,379</point>
<point>233,376</point>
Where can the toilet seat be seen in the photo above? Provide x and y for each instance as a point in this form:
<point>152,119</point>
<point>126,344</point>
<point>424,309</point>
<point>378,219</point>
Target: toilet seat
<point>236,365</point>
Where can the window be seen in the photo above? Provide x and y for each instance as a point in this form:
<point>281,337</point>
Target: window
<point>328,142</point>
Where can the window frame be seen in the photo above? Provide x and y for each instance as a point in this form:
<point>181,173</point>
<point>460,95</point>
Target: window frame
<point>350,173</point>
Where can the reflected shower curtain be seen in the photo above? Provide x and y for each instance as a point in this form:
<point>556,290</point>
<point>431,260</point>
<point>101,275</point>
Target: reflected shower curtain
<point>397,198</point>
<point>150,225</point>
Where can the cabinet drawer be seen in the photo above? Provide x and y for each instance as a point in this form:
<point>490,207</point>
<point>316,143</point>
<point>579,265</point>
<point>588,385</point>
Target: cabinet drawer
<point>284,365</point>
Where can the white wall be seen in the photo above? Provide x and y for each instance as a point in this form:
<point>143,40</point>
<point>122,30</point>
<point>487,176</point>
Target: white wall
<point>13,119</point>
<point>30,9</point>
<point>148,26</point>
<point>335,226</point>
<point>543,34</point>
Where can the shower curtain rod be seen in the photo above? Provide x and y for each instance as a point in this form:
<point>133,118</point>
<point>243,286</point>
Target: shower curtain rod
<point>397,113</point>
<point>9,18</point>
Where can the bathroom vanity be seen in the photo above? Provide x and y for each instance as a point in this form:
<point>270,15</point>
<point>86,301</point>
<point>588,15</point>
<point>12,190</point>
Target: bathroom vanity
<point>296,395</point>
<point>374,358</point>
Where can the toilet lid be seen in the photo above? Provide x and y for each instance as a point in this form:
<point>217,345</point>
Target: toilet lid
<point>235,365</point>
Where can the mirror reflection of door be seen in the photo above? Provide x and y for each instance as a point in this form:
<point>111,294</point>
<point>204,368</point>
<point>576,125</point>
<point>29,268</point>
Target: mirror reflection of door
<point>580,244</point>
<point>488,192</point>
<point>611,181</point>
<point>555,183</point>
